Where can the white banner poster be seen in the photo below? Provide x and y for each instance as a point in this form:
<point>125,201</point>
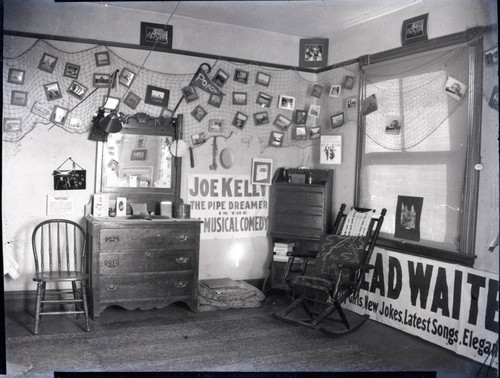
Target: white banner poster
<point>229,206</point>
<point>447,304</point>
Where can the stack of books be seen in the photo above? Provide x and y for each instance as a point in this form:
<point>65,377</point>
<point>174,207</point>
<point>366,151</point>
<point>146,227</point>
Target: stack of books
<point>280,250</point>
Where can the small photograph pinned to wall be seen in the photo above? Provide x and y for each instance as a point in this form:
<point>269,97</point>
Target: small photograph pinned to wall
<point>300,117</point>
<point>157,96</point>
<point>335,91</point>
<point>77,89</point>
<point>300,133</point>
<point>351,103</point>
<point>330,149</point>
<point>199,113</point>
<point>131,100</point>
<point>42,110</point>
<point>71,70</point>
<point>369,105</point>
<point>314,132</point>
<point>491,56</point>
<point>215,100</point>
<point>220,78</point>
<point>264,100</point>
<point>101,58</point>
<point>16,76</point>
<point>455,88</point>
<point>59,115</point>
<point>239,98</point>
<point>262,170</point>
<point>263,79</point>
<point>414,29</point>
<point>126,77</point>
<point>139,154</point>
<point>494,98</point>
<point>393,123</point>
<point>198,138</point>
<point>313,52</point>
<point>286,102</point>
<point>261,118</point>
<point>337,120</point>
<point>239,120</point>
<point>189,94</point>
<point>47,63</point>
<point>314,111</point>
<point>110,103</point>
<point>19,98</point>
<point>75,123</point>
<point>52,91</point>
<point>282,122</point>
<point>12,124</point>
<point>408,214</point>
<point>215,125</point>
<point>348,82</point>
<point>317,90</point>
<point>276,139</point>
<point>241,76</point>
<point>101,80</point>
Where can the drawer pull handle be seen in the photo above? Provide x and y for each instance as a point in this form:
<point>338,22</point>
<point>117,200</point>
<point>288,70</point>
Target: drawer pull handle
<point>111,239</point>
<point>183,238</point>
<point>112,263</point>
<point>182,260</point>
<point>111,287</point>
<point>181,284</point>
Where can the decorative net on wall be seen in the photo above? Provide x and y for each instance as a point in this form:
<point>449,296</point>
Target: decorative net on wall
<point>288,82</point>
<point>418,95</point>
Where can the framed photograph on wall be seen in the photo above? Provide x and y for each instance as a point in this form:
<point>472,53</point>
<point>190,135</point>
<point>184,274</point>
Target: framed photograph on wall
<point>286,102</point>
<point>262,171</point>
<point>110,103</point>
<point>12,124</point>
<point>239,120</point>
<point>215,125</point>
<point>131,100</point>
<point>158,35</point>
<point>314,132</point>
<point>314,111</point>
<point>126,77</point>
<point>215,100</point>
<point>71,70</point>
<point>264,100</point>
<point>393,123</point>
<point>261,118</point>
<point>300,133</point>
<point>313,52</point>
<point>282,122</point>
<point>101,80</point>
<point>300,117</point>
<point>47,63</point>
<point>337,120</point>
<point>77,89</point>
<point>52,91</point>
<point>139,154</point>
<point>220,78</point>
<point>317,90</point>
<point>351,103</point>
<point>198,138</point>
<point>263,79</point>
<point>16,76</point>
<point>276,139</point>
<point>241,76</point>
<point>335,91</point>
<point>59,115</point>
<point>42,110</point>
<point>101,58</point>
<point>189,94</point>
<point>239,98</point>
<point>19,98</point>
<point>408,214</point>
<point>414,29</point>
<point>348,82</point>
<point>199,113</point>
<point>157,96</point>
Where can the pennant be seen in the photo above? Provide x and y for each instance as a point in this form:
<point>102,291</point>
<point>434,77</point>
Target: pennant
<point>202,81</point>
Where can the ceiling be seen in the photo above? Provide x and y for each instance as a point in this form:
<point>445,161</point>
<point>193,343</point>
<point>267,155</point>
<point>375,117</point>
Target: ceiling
<point>306,19</point>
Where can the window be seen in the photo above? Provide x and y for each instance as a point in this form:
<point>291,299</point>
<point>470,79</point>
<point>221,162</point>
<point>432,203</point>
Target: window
<point>422,142</point>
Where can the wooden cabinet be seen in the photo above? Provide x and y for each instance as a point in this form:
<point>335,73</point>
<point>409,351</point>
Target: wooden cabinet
<point>300,212</point>
<point>138,263</point>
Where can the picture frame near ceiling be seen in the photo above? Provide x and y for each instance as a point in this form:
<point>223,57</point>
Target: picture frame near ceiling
<point>157,35</point>
<point>313,53</point>
<point>414,29</point>
<point>16,76</point>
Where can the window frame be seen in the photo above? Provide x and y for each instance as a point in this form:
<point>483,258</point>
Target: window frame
<point>474,39</point>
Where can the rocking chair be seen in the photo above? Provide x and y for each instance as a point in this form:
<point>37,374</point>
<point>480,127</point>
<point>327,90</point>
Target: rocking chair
<point>339,268</point>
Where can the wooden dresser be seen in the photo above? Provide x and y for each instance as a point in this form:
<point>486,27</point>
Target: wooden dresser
<point>138,263</point>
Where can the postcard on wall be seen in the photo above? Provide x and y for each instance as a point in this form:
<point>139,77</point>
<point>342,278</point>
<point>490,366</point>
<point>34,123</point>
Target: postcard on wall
<point>455,88</point>
<point>100,208</point>
<point>331,149</point>
<point>408,213</point>
<point>262,170</point>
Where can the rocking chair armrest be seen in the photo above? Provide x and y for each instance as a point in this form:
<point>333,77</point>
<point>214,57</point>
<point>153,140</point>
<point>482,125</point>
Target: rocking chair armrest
<point>302,254</point>
<point>366,267</point>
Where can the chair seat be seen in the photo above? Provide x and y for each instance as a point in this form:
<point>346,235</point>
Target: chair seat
<point>60,276</point>
<point>313,282</point>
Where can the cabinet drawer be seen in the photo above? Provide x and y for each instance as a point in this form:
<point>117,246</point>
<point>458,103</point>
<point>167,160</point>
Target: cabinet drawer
<point>145,261</point>
<point>142,239</point>
<point>146,286</point>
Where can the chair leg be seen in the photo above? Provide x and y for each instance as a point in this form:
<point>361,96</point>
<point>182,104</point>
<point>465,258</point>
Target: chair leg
<point>341,313</point>
<point>76,296</point>
<point>39,288</point>
<point>85,306</point>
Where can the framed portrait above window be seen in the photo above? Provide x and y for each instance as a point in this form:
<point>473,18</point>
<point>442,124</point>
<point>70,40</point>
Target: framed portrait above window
<point>414,29</point>
<point>157,35</point>
<point>313,52</point>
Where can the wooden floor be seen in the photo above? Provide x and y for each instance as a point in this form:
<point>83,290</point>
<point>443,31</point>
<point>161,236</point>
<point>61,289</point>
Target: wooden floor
<point>175,339</point>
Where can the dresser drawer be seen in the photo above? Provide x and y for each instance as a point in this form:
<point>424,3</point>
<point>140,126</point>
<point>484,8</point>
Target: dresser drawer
<point>145,261</point>
<point>143,239</point>
<point>146,286</point>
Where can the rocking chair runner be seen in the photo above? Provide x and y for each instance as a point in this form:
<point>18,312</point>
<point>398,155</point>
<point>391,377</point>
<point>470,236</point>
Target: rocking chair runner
<point>340,265</point>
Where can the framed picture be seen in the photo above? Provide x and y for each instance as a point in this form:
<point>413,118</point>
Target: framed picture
<point>140,154</point>
<point>19,98</point>
<point>220,78</point>
<point>77,89</point>
<point>101,80</point>
<point>215,100</point>
<point>110,103</point>
<point>408,214</point>
<point>493,102</point>
<point>199,113</point>
<point>261,118</point>
<point>239,98</point>
<point>262,171</point>
<point>240,120</point>
<point>126,77</point>
<point>101,58</point>
<point>215,125</point>
<point>314,132</point>
<point>276,139</point>
<point>455,88</point>
<point>16,76</point>
<point>317,90</point>
<point>189,94</point>
<point>337,120</point>
<point>157,96</point>
<point>348,82</point>
<point>71,70</point>
<point>491,56</point>
<point>166,113</point>
<point>75,123</point>
<point>264,100</point>
<point>414,29</point>
<point>351,103</point>
<point>314,111</point>
<point>59,115</point>
<point>369,105</point>
<point>12,124</point>
<point>313,52</point>
<point>286,102</point>
<point>241,76</point>
<point>300,133</point>
<point>335,91</point>
<point>300,117</point>
<point>393,123</point>
<point>131,100</point>
<point>282,122</point>
<point>42,110</point>
<point>263,79</point>
<point>330,149</point>
<point>198,139</point>
<point>47,63</point>
<point>52,91</point>
<point>158,35</point>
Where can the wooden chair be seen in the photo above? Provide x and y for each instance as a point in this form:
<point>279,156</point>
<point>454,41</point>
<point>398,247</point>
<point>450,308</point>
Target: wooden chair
<point>340,264</point>
<point>59,248</point>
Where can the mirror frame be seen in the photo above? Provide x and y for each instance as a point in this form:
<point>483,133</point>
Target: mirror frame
<point>143,124</point>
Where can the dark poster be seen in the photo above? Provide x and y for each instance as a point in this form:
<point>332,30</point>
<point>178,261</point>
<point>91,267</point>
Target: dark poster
<point>408,212</point>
